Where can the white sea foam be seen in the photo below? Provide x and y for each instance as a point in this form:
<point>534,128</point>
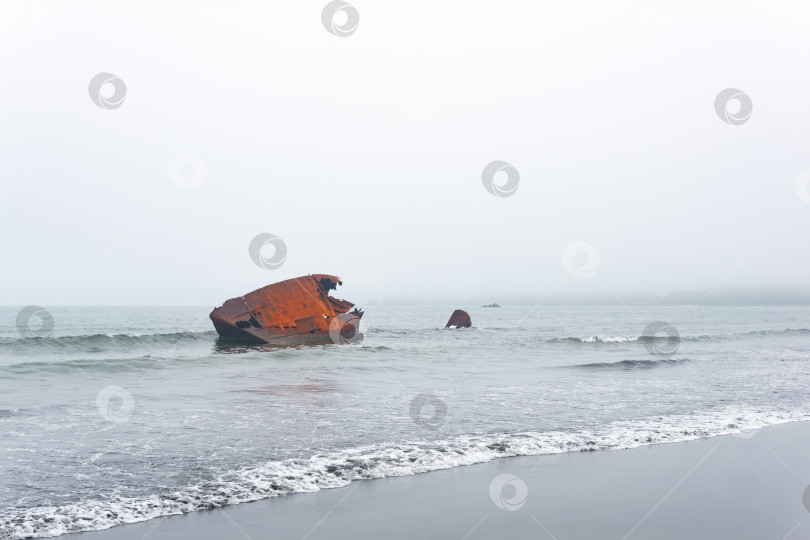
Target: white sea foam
<point>336,469</point>
<point>597,339</point>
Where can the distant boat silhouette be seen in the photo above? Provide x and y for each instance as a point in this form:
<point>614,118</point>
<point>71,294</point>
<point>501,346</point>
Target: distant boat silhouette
<point>492,305</point>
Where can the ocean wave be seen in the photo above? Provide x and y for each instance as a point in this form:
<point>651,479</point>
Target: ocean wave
<point>96,341</point>
<point>337,469</point>
<point>704,337</point>
<point>99,342</point>
<point>597,339</point>
<point>630,364</point>
<point>756,333</point>
<point>101,365</point>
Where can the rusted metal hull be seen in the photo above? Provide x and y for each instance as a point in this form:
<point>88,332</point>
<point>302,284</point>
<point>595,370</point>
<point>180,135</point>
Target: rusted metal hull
<point>459,319</point>
<point>293,312</point>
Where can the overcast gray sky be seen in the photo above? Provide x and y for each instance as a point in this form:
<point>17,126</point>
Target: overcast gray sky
<point>365,153</point>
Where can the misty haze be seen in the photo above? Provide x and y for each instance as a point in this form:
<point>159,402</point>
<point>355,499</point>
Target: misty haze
<point>347,269</point>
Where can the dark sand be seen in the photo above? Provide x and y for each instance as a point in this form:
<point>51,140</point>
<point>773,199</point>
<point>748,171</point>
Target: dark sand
<point>723,487</point>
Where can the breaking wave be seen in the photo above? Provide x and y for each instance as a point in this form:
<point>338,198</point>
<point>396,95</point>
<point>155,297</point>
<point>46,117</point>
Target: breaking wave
<point>337,469</point>
<point>597,339</point>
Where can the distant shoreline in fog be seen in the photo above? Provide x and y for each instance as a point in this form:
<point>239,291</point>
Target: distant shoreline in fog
<point>705,298</point>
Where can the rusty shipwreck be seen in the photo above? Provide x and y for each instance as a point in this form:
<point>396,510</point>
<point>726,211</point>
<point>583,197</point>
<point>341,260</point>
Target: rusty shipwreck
<point>297,311</point>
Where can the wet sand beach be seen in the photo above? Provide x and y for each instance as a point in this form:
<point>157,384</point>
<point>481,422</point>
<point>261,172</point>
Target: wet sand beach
<point>735,486</point>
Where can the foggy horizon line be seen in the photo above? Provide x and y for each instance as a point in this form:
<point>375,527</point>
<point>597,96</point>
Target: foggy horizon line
<point>737,296</point>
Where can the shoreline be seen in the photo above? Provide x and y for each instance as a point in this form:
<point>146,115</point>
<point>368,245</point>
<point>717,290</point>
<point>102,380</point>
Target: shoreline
<point>748,485</point>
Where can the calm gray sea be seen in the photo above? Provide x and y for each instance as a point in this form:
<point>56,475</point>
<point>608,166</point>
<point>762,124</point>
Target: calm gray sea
<point>125,414</point>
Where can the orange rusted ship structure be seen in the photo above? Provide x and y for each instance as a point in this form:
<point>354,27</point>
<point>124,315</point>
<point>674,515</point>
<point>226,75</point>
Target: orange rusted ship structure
<point>459,319</point>
<point>293,312</point>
